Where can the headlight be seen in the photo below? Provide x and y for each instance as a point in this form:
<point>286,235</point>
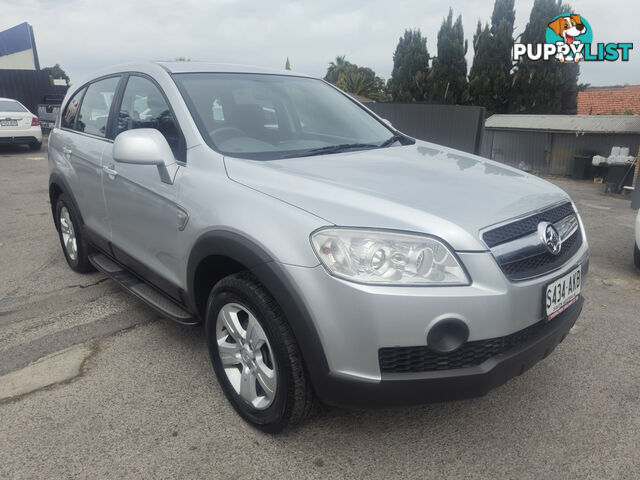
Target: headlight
<point>383,257</point>
<point>582,230</point>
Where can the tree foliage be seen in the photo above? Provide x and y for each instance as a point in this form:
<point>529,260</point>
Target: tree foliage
<point>287,64</point>
<point>544,86</point>
<point>56,72</point>
<point>502,10</point>
<point>338,67</point>
<point>351,78</point>
<point>447,80</point>
<point>410,68</point>
<point>490,75</point>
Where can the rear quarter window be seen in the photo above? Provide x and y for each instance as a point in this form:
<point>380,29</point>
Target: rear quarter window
<point>70,113</point>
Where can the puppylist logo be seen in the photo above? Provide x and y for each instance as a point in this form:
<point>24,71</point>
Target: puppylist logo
<point>569,38</point>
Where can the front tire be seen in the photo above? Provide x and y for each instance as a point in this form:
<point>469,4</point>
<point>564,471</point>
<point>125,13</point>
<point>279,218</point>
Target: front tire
<point>636,256</point>
<point>74,246</point>
<point>255,355</point>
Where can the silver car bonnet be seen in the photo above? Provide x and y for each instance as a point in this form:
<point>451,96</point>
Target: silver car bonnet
<point>422,188</point>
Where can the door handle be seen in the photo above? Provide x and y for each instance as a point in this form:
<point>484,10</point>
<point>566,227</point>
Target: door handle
<point>66,151</point>
<point>110,170</point>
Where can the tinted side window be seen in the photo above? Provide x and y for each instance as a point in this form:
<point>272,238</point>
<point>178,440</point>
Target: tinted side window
<point>70,113</point>
<point>94,111</point>
<point>143,106</point>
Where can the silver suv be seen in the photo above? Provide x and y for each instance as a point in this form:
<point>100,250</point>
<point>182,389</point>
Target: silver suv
<point>328,255</point>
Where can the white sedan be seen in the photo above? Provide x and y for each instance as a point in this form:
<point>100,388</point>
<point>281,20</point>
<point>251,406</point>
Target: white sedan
<point>18,125</point>
<point>636,250</point>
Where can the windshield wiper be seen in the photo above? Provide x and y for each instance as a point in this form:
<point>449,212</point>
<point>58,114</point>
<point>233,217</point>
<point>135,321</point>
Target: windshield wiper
<point>344,147</point>
<point>396,138</point>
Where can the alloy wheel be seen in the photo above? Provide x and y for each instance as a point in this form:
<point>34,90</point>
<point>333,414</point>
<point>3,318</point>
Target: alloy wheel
<point>68,234</point>
<point>246,355</point>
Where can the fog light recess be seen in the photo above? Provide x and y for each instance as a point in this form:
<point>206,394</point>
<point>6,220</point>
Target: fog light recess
<point>447,335</point>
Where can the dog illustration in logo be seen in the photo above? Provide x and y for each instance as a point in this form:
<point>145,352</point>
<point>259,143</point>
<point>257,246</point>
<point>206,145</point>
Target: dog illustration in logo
<point>568,27</point>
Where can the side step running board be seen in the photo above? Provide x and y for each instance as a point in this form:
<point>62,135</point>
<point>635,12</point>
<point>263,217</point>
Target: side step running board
<point>148,294</point>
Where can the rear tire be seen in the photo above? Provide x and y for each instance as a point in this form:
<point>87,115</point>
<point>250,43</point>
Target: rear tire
<point>35,146</point>
<point>636,256</point>
<point>258,342</point>
<point>74,246</point>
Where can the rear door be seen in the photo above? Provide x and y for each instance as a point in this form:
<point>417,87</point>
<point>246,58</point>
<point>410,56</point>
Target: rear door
<point>82,141</point>
<point>143,211</point>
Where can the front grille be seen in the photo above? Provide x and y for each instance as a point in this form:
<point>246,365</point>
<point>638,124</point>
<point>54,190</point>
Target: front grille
<point>520,228</point>
<point>546,262</point>
<point>422,359</point>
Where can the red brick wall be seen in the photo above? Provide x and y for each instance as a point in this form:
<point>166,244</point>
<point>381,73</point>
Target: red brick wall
<point>602,101</point>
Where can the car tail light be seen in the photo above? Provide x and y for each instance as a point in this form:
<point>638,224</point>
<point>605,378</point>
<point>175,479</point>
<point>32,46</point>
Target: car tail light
<point>35,122</point>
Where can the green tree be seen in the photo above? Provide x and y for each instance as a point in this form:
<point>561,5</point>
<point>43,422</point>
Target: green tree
<point>447,79</point>
<point>544,86</point>
<point>354,82</point>
<point>354,79</point>
<point>378,91</point>
<point>56,72</point>
<point>408,81</point>
<point>502,10</point>
<point>490,75</point>
<point>360,83</point>
<point>482,91</point>
<point>338,67</point>
<point>287,65</point>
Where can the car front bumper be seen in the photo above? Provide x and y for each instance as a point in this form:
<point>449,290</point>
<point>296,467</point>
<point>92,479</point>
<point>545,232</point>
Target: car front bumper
<point>354,322</point>
<point>415,388</point>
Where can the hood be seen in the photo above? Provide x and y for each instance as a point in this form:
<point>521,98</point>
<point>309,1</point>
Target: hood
<point>422,188</point>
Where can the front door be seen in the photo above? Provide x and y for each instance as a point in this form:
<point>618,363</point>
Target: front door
<point>143,212</point>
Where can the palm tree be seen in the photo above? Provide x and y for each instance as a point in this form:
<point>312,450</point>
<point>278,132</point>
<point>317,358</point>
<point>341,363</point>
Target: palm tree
<point>338,67</point>
<point>359,83</point>
<point>354,82</point>
<point>353,79</point>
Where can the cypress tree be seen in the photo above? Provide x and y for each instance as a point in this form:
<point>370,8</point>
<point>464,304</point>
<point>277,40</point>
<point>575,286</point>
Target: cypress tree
<point>544,86</point>
<point>483,71</point>
<point>490,76</point>
<point>410,68</point>
<point>448,77</point>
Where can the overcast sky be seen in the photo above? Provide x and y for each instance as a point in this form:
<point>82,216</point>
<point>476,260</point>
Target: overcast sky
<point>83,36</point>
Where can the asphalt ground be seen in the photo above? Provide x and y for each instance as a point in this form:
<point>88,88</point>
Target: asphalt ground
<point>146,403</point>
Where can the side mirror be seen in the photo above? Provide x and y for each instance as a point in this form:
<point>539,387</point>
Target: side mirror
<point>145,146</point>
<point>389,124</point>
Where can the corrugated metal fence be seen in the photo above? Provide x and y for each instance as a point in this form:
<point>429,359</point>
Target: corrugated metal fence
<point>550,152</point>
<point>29,87</point>
<point>450,125</point>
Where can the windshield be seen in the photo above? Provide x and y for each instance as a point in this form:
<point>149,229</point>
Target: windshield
<point>11,106</point>
<point>277,116</point>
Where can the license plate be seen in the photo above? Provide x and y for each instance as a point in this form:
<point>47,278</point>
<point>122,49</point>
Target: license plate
<point>8,123</point>
<point>563,292</point>
<point>47,124</point>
